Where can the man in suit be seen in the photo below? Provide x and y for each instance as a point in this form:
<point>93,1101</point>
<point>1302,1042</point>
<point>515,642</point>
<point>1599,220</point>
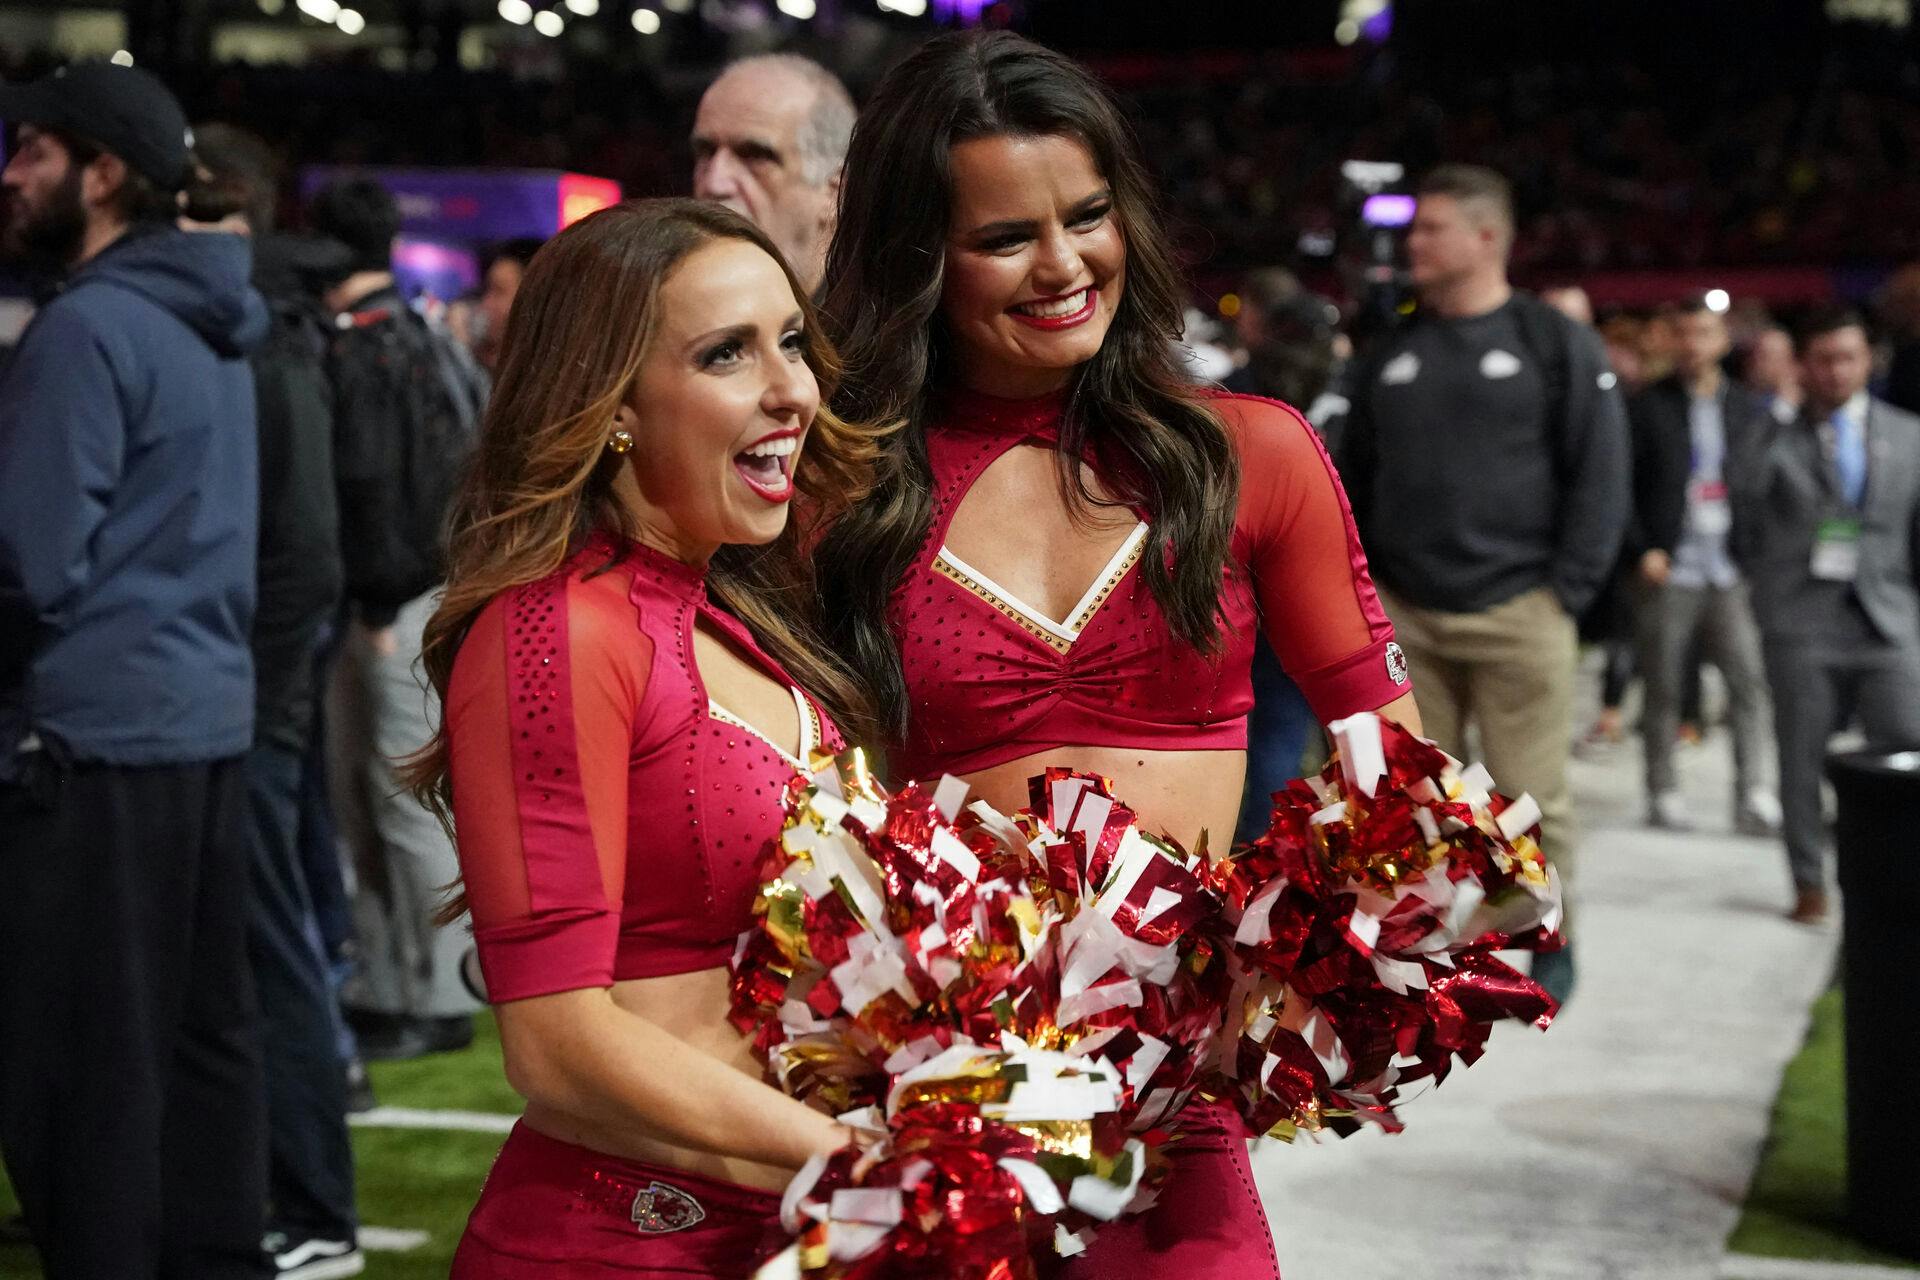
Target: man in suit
<point>1690,592</point>
<point>1827,526</point>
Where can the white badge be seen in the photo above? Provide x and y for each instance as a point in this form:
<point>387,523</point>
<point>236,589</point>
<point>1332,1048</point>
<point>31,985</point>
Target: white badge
<point>1400,370</point>
<point>1836,551</point>
<point>1708,514</point>
<point>1497,364</point>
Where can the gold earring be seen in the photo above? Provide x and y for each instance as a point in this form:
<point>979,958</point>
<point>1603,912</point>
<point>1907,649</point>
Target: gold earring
<point>621,441</point>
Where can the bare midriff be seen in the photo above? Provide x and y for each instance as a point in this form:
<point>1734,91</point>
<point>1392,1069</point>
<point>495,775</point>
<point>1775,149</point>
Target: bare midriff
<point>691,1007</point>
<point>1178,793</point>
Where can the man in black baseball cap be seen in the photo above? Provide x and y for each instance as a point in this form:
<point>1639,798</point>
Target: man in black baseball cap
<point>132,1103</point>
<point>91,133</point>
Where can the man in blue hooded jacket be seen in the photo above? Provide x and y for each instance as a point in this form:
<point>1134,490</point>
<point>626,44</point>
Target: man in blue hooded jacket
<point>131,1103</point>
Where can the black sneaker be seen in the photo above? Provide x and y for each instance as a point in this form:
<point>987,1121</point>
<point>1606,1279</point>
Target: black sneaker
<point>391,1042</point>
<point>446,1035</point>
<point>1554,970</point>
<point>418,1037</point>
<point>311,1258</point>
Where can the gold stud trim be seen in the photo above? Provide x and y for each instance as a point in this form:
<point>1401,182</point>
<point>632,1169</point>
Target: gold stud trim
<point>1060,637</point>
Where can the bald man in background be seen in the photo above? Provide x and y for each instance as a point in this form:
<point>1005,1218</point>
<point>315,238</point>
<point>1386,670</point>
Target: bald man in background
<point>769,142</point>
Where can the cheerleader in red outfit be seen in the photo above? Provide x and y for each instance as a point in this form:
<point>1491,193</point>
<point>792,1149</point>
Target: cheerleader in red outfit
<point>1068,548</point>
<point>625,698</point>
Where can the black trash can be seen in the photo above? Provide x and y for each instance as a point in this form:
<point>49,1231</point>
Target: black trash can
<point>1878,836</point>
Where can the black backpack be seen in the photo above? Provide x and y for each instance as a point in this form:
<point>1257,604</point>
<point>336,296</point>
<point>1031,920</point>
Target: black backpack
<point>407,404</point>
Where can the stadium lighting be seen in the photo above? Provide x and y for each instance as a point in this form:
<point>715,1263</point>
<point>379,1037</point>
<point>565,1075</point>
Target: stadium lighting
<point>646,21</point>
<point>801,9</point>
<point>518,12</point>
<point>910,8</point>
<point>584,8</point>
<point>548,23</point>
<point>678,6</point>
<point>121,58</point>
<point>322,10</point>
<point>351,22</point>
<point>1717,300</point>
<point>273,8</point>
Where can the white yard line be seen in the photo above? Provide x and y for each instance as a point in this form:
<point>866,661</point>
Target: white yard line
<point>420,1118</point>
<point>391,1239</point>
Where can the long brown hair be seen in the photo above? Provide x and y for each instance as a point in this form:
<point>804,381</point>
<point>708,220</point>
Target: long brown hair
<point>1131,403</point>
<point>541,481</point>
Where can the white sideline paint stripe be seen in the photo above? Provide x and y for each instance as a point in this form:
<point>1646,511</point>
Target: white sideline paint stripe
<point>391,1239</point>
<point>418,1118</point>
<point>1746,1266</point>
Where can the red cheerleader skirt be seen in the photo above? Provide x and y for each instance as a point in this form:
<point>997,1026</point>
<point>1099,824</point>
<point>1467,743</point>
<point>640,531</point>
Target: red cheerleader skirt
<point>555,1211</point>
<point>1208,1223</point>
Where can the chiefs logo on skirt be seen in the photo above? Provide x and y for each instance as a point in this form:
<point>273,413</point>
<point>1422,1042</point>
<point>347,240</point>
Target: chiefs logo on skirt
<point>660,1208</point>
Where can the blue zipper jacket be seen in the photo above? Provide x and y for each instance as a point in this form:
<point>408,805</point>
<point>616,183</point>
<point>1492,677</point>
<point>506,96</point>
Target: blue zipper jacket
<point>129,507</point>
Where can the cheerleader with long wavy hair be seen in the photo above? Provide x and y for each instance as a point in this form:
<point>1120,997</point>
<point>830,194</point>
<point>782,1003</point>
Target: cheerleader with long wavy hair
<point>629,681</point>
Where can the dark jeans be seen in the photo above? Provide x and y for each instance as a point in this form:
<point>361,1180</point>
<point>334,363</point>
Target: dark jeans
<point>311,1170</point>
<point>320,849</point>
<point>132,1111</point>
<point>1277,734</point>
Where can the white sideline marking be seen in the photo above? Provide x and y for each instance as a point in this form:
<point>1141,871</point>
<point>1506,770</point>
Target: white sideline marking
<point>391,1239</point>
<point>1745,1266</point>
<point>418,1118</point>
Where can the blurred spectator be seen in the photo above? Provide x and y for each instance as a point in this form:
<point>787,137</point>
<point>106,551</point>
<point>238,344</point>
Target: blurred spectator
<point>1899,307</point>
<point>407,402</point>
<point>1825,514</point>
<point>1486,457</point>
<point>311,1220</point>
<point>131,1113</point>
<point>1683,428</point>
<point>1289,338</point>
<point>1773,371</point>
<point>769,142</point>
<point>1570,301</point>
<point>1622,336</point>
<point>1659,345</point>
<point>499,281</point>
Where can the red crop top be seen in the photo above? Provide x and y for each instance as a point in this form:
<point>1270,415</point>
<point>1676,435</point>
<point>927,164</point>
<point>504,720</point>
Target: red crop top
<point>609,815</point>
<point>991,679</point>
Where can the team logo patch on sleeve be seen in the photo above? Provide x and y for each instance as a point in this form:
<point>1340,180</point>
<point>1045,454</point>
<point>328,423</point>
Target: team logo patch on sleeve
<point>1396,663</point>
<point>660,1209</point>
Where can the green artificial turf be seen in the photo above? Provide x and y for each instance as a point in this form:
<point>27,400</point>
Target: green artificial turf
<point>421,1179</point>
<point>1797,1205</point>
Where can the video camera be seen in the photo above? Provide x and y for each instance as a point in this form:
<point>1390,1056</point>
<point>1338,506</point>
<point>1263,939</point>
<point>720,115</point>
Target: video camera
<point>1381,210</point>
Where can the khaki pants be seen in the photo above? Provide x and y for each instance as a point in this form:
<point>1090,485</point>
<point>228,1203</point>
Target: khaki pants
<point>1507,672</point>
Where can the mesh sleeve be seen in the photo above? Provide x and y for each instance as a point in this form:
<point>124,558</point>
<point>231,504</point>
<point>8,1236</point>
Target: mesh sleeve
<point>540,716</point>
<point>1296,537</point>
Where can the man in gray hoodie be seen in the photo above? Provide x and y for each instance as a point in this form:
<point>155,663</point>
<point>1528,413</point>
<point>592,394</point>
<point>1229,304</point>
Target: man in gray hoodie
<point>131,1102</point>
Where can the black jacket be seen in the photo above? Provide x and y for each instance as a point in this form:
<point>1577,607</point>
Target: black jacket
<point>407,404</point>
<point>300,569</point>
<point>1663,456</point>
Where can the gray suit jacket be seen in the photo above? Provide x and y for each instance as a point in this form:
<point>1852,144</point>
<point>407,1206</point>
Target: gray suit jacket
<point>1782,484</point>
